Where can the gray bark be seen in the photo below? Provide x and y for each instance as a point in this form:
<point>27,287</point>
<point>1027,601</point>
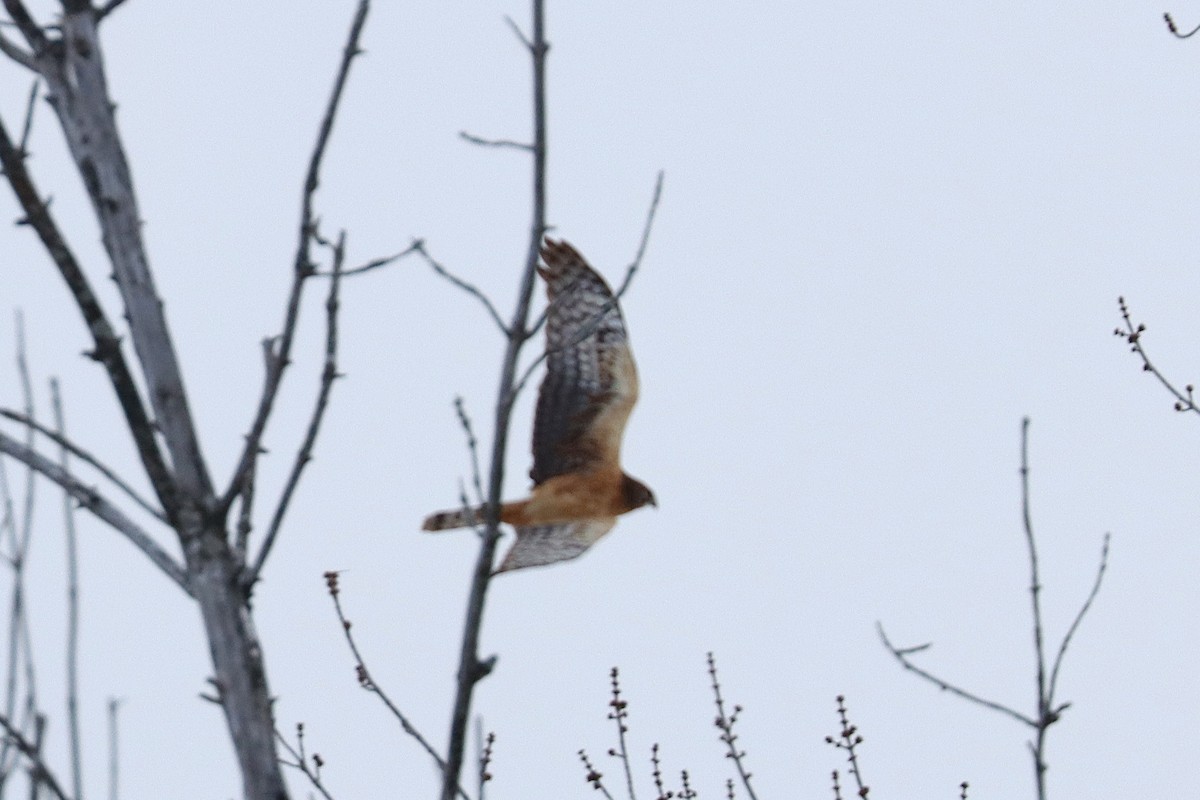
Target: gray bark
<point>73,68</point>
<point>79,95</point>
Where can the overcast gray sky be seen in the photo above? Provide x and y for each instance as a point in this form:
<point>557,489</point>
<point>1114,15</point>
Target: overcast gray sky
<point>888,232</point>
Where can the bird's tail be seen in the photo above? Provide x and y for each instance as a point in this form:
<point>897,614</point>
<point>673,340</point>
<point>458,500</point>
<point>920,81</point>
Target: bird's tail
<point>448,520</point>
<point>466,517</point>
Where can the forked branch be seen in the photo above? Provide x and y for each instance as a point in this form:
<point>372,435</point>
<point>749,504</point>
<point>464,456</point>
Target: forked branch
<point>1048,711</point>
<point>466,286</point>
<point>106,345</point>
<point>328,375</point>
<point>279,354</point>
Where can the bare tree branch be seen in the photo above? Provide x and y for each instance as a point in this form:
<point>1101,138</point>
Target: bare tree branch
<point>376,263</point>
<point>20,536</point>
<point>1087,604</point>
<point>328,375</point>
<point>847,739</point>
<point>619,714</point>
<point>483,746</point>
<point>27,128</point>
<point>107,347</point>
<point>1047,712</point>
<point>94,502</point>
<point>1133,335</point>
<point>364,680</point>
<point>1175,30</point>
<point>31,752</point>
<point>78,93</point>
<point>501,143</point>
<point>946,686</point>
<point>88,458</point>
<point>29,28</point>
<point>245,522</point>
<point>300,761</point>
<point>72,656</point>
<point>302,267</point>
<point>725,723</point>
<point>1035,583</point>
<point>469,288</point>
<point>471,668</point>
<point>18,55</point>
<point>520,34</point>
<point>594,777</point>
<point>114,761</point>
<point>472,449</point>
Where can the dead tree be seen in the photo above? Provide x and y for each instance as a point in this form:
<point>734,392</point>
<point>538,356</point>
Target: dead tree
<point>218,568</point>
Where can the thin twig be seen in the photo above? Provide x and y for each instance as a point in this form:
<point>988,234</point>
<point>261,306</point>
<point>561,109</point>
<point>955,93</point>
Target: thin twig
<point>88,458</point>
<point>500,143</point>
<point>484,745</point>
<point>594,777</point>
<point>328,375</point>
<point>245,522</point>
<point>949,687</point>
<point>302,268</point>
<point>1035,584</point>
<point>27,128</point>
<point>1173,29</point>
<point>848,739</point>
<point>300,762</point>
<point>72,601</point>
<point>114,761</point>
<point>364,677</point>
<point>725,723</point>
<point>469,288</point>
<point>8,532</point>
<point>19,645</point>
<point>619,714</point>
<point>520,34</point>
<point>472,447</point>
<point>1133,335</point>
<point>375,263</point>
<point>1087,604</point>
<point>656,774</point>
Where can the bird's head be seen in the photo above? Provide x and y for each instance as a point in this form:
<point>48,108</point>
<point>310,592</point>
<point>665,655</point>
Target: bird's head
<point>637,494</point>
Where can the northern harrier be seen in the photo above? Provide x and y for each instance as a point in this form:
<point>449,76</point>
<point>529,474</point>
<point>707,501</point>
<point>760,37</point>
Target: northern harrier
<point>590,387</point>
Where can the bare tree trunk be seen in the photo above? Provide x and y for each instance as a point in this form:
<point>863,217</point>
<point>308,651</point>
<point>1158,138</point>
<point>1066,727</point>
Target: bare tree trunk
<point>240,673</point>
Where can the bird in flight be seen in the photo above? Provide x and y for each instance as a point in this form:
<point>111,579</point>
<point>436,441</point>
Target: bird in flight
<point>590,387</point>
